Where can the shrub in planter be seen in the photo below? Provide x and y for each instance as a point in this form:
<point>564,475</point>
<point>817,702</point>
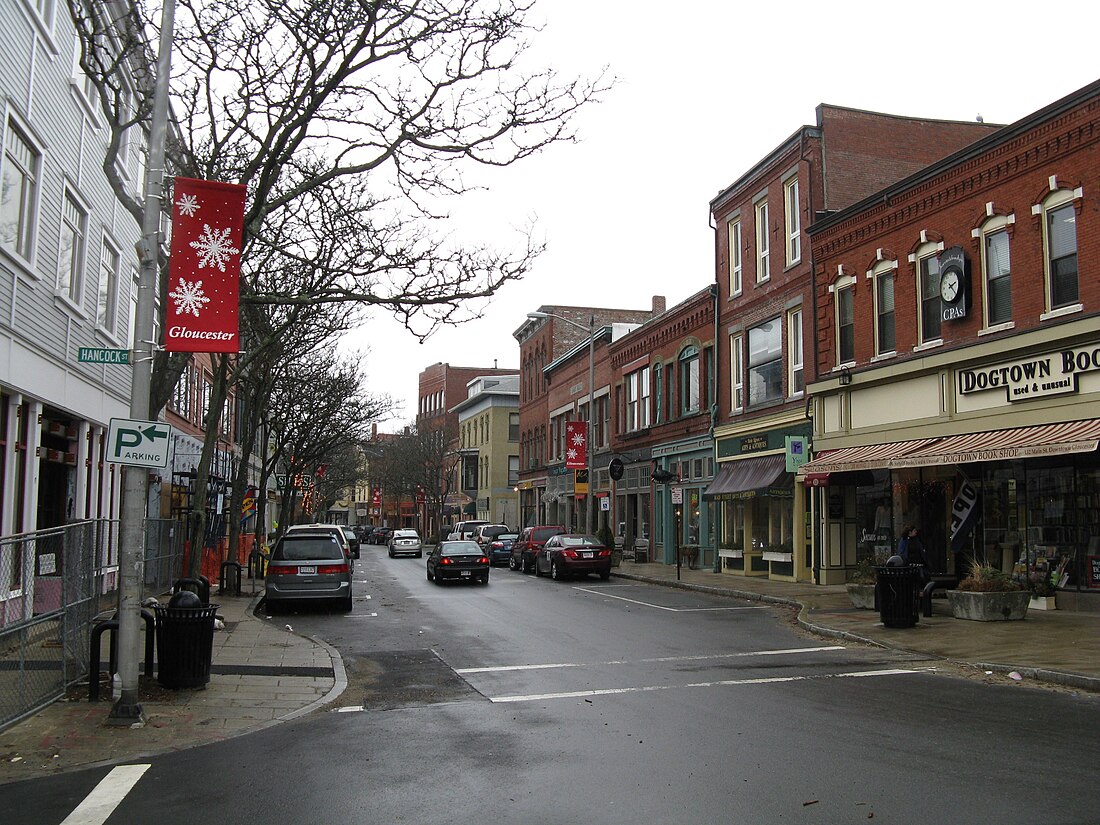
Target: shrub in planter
<point>861,584</point>
<point>988,595</point>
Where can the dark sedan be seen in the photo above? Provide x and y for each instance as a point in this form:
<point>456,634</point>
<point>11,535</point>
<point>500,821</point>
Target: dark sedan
<point>570,554</point>
<point>458,560</point>
<point>500,548</point>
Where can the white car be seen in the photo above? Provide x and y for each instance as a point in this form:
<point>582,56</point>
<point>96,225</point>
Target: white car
<point>406,543</point>
<point>464,530</point>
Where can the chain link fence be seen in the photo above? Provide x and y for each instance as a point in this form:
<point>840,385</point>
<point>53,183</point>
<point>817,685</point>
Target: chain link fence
<point>53,585</point>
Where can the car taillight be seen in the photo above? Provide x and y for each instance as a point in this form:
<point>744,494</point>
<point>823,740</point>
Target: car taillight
<point>332,569</point>
<point>483,560</point>
<point>282,571</point>
<point>604,553</point>
<point>569,554</point>
<point>496,545</point>
<point>446,560</point>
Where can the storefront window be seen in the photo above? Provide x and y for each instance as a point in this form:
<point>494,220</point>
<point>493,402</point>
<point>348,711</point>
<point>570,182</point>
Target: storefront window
<point>733,525</point>
<point>874,516</point>
<point>692,536</point>
<point>771,524</point>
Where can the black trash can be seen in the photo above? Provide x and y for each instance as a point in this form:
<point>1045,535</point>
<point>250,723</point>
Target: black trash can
<point>897,595</point>
<point>185,645</point>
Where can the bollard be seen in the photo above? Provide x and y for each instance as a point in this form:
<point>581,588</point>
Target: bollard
<point>93,657</point>
<point>236,567</point>
<point>261,566</point>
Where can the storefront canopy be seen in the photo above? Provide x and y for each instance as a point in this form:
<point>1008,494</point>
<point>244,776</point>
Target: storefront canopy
<point>746,477</point>
<point>996,445</point>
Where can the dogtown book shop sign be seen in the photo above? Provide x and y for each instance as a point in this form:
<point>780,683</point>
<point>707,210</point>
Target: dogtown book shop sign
<point>1039,377</point>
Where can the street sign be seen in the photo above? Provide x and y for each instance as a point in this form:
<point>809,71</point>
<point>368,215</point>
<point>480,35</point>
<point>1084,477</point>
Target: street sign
<point>99,355</point>
<point>139,443</point>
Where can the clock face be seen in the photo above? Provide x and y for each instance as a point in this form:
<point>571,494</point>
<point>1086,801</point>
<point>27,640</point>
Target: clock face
<point>949,286</point>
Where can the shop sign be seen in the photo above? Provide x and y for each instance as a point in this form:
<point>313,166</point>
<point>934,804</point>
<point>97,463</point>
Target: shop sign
<point>795,452</point>
<point>1094,572</point>
<point>769,441</point>
<point>1040,377</point>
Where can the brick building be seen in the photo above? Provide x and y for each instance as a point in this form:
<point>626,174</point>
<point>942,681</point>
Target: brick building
<point>766,313</point>
<point>958,359</point>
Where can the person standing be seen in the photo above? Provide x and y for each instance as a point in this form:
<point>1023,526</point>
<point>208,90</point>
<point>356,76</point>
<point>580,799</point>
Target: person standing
<point>911,549</point>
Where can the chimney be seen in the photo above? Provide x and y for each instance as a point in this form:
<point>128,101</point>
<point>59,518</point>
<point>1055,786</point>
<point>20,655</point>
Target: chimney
<point>658,305</point>
<point>494,363</point>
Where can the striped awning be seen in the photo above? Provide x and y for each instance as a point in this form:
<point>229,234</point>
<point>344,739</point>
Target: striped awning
<point>748,477</point>
<point>995,445</point>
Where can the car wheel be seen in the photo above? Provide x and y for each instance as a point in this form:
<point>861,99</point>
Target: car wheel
<point>391,554</point>
<point>272,607</point>
<point>605,575</point>
<point>431,578</point>
<point>535,564</point>
<point>511,563</point>
<point>420,555</point>
<point>345,604</point>
<point>485,579</point>
<point>526,565</point>
<point>555,572</point>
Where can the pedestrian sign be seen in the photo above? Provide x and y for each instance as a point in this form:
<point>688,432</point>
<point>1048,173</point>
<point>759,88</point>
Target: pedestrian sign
<point>140,443</point>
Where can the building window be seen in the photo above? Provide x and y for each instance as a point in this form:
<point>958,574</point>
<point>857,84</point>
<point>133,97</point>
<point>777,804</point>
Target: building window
<point>18,192</point>
<point>70,258</point>
<point>107,299</point>
<point>931,305</point>
<point>737,374</point>
<point>885,329</point>
<point>513,470</point>
<point>735,256</point>
<point>762,252</point>
<point>845,325</point>
<point>1061,257</point>
<point>794,222</point>
<point>659,400</point>
<point>766,362</point>
<point>795,380</point>
<point>689,381</point>
<point>513,426</point>
<point>181,393</point>
<point>637,400</point>
<point>997,269</point>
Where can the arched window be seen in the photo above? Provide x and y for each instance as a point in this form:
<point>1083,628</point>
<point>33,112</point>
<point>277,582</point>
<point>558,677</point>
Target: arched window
<point>689,380</point>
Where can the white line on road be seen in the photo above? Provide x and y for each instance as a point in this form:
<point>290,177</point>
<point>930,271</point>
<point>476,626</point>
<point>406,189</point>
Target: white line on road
<point>579,694</point>
<point>663,607</point>
<point>106,796</point>
<point>698,658</point>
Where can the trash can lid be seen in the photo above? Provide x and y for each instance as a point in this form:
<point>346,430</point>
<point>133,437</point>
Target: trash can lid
<point>185,598</point>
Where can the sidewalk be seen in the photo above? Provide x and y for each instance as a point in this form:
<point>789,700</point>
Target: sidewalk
<point>262,674</point>
<point>1059,646</point>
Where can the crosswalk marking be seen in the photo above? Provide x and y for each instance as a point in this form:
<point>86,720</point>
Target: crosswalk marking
<point>661,659</point>
<point>106,796</point>
<point>580,694</point>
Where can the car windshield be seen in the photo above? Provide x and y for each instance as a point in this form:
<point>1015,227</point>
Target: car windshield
<point>459,548</point>
<point>303,548</point>
<point>578,541</point>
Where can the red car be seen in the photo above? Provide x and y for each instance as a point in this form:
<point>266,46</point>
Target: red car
<point>530,542</point>
<point>571,554</point>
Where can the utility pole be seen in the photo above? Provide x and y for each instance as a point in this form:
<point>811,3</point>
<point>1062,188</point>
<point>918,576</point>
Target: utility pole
<point>135,492</point>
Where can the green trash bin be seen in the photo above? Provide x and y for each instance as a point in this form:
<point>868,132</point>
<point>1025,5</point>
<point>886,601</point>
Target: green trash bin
<point>185,645</point>
<point>897,595</point>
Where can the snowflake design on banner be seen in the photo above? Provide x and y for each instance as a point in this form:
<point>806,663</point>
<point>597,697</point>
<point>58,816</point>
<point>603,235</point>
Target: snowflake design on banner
<point>188,298</point>
<point>214,247</point>
<point>570,453</point>
<point>188,204</point>
<point>578,438</point>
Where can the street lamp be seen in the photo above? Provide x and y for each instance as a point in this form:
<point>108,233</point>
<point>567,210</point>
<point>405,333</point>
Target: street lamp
<point>591,330</point>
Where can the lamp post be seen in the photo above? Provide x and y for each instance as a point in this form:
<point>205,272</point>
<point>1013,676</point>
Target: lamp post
<point>591,330</point>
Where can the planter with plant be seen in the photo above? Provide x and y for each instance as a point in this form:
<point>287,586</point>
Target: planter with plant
<point>988,595</point>
<point>861,584</point>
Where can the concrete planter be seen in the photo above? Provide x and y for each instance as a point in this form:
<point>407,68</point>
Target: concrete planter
<point>988,607</point>
<point>862,595</point>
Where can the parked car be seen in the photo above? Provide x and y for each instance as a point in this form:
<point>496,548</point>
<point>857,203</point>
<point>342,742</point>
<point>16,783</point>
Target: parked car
<point>381,535</point>
<point>530,541</point>
<point>499,550</point>
<point>458,560</point>
<point>464,530</point>
<point>308,566</point>
<point>334,530</point>
<point>573,554</point>
<point>363,531</point>
<point>485,533</point>
<point>353,540</point>
<point>406,542</point>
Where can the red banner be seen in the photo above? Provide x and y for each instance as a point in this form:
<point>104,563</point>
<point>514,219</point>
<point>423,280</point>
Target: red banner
<point>205,267</point>
<point>576,453</point>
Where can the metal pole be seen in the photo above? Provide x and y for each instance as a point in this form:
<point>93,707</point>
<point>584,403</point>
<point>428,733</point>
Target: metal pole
<point>127,710</point>
<point>590,446</point>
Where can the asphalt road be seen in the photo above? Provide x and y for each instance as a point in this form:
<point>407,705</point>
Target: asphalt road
<point>530,701</point>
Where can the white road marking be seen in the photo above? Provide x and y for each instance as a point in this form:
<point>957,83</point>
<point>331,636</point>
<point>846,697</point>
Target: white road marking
<point>106,796</point>
<point>579,694</point>
<point>698,658</point>
<point>360,615</point>
<point>670,609</point>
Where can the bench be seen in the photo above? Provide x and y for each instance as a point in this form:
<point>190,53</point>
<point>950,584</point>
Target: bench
<point>943,582</point>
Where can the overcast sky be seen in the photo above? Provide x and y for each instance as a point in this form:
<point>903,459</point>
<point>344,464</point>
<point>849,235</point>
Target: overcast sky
<point>704,92</point>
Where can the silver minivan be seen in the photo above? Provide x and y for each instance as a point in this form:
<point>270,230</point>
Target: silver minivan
<point>308,566</point>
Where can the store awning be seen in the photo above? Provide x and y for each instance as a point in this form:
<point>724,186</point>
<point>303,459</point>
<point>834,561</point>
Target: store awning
<point>995,445</point>
<point>748,477</point>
